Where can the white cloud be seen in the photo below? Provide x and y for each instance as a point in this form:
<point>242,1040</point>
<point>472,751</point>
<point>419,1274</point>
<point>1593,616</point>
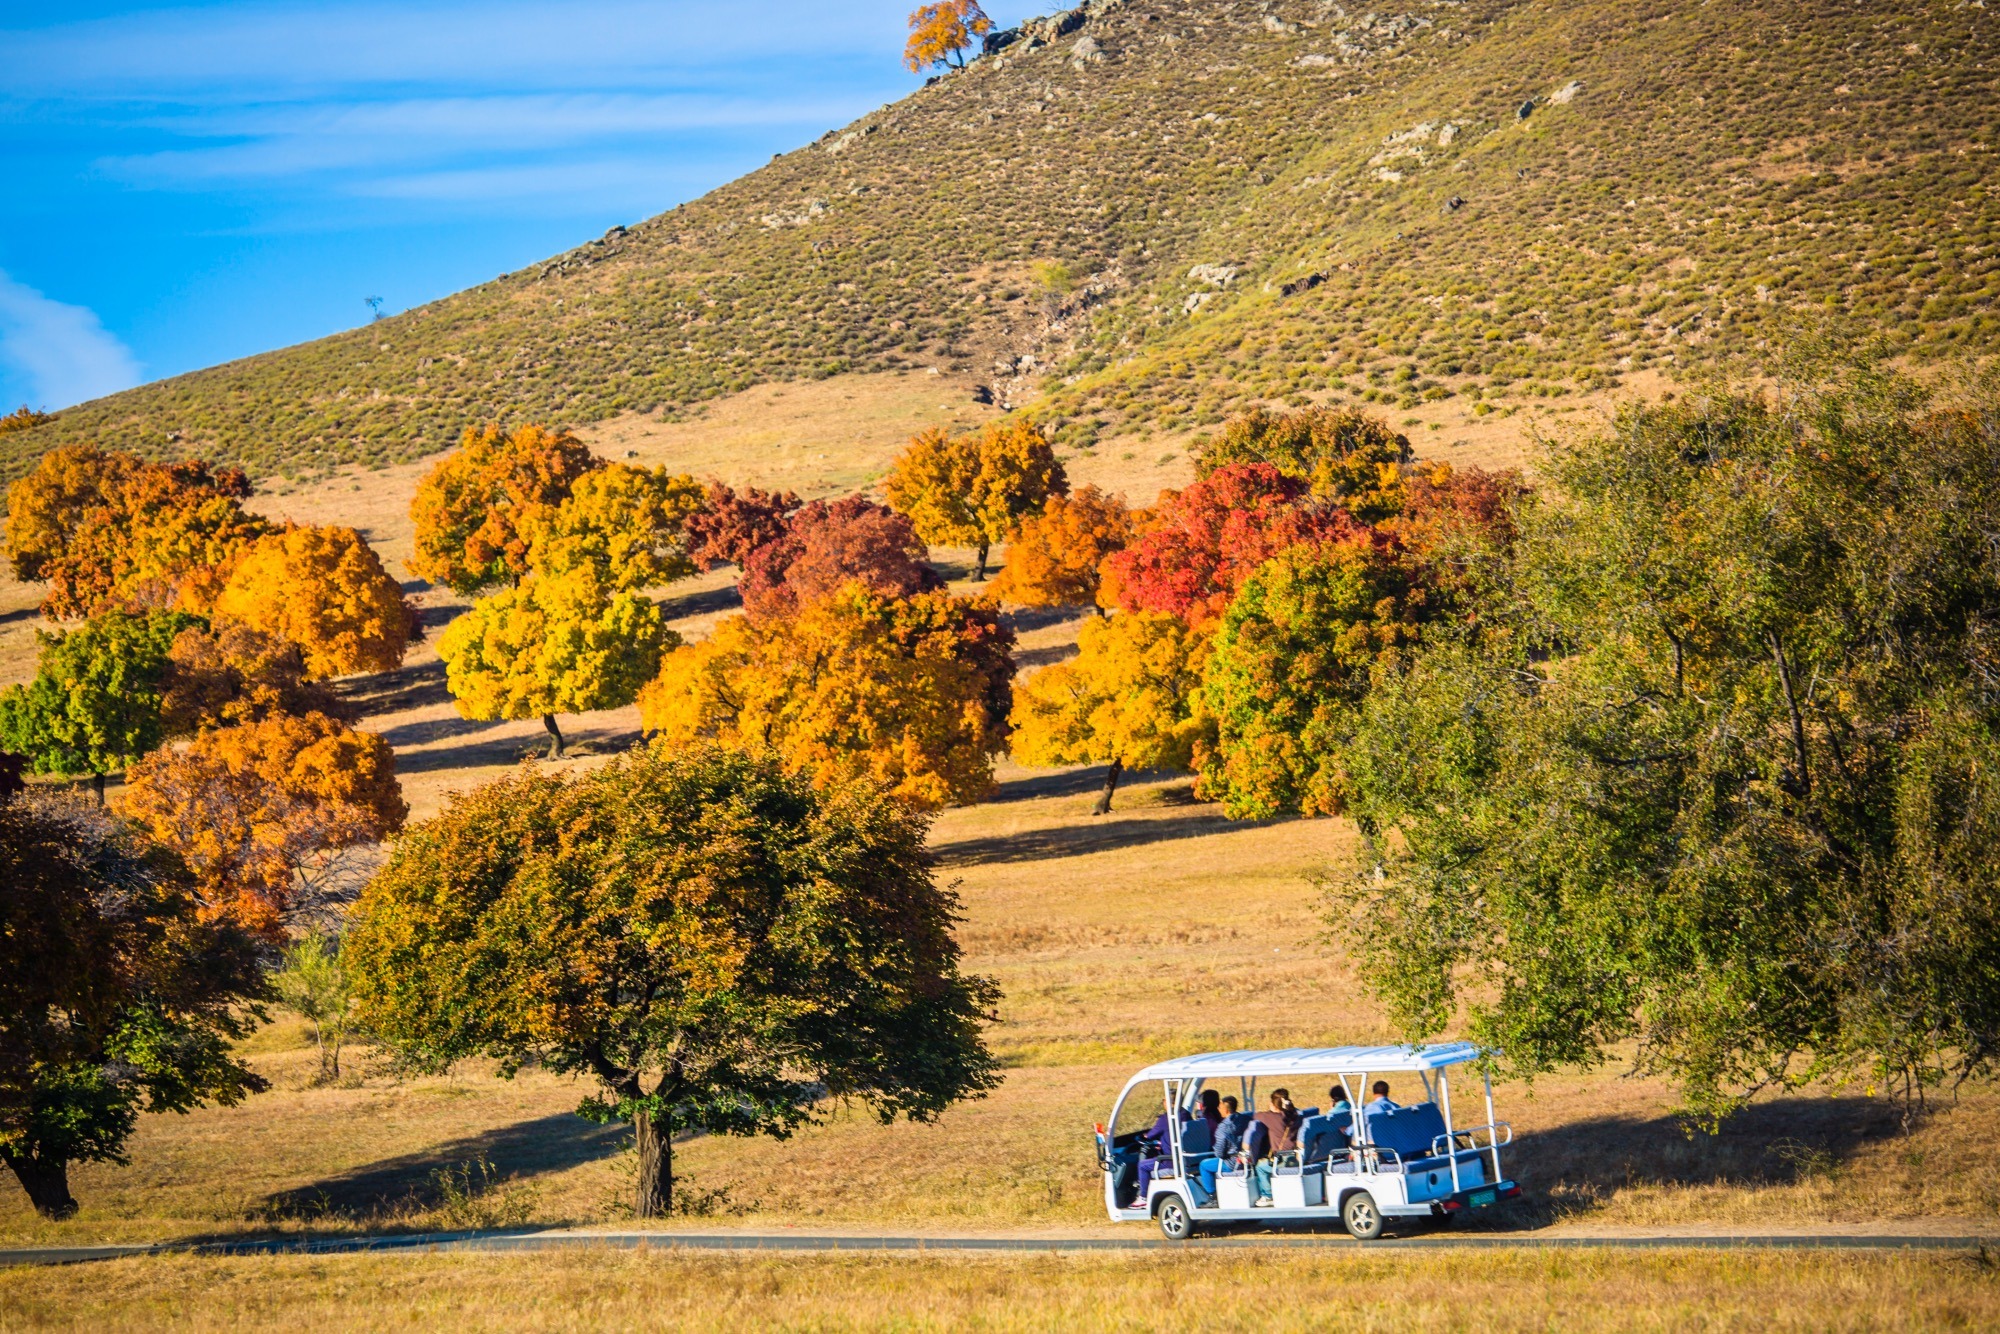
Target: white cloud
<point>62,352</point>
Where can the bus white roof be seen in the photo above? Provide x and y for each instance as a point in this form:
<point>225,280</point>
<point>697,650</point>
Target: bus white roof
<point>1312,1061</point>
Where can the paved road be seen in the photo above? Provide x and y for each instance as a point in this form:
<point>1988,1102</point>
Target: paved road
<point>736,1241</point>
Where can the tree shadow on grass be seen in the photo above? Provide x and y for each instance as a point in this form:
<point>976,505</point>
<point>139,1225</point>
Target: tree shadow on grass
<point>1103,835</point>
<point>704,603</point>
<point>1782,1142</point>
<point>418,687</point>
<point>410,1182</point>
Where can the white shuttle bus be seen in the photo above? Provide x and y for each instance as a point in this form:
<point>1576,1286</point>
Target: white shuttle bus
<point>1405,1156</point>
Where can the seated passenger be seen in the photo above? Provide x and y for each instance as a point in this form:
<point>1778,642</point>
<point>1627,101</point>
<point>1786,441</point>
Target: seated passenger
<point>1380,1102</point>
<point>1210,1104</point>
<point>1228,1148</point>
<point>1332,1134</point>
<point>1156,1149</point>
<point>1281,1129</point>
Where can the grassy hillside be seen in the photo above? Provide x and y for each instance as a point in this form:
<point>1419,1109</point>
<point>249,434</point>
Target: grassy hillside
<point>1498,200</point>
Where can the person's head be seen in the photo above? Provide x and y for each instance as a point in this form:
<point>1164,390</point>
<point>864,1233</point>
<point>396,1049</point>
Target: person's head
<point>1277,1100</point>
<point>1380,1088</point>
<point>1210,1099</point>
<point>1229,1106</point>
<point>1284,1097</point>
<point>1336,1096</point>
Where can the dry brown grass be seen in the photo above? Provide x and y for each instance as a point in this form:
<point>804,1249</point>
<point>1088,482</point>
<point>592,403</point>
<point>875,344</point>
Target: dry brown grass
<point>1678,1290</point>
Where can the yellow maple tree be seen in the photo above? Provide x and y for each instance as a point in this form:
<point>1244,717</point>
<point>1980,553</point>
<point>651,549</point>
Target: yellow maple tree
<point>970,490</point>
<point>1130,699</point>
<point>324,589</point>
<point>940,32</point>
<point>1054,558</point>
<point>627,524</point>
<point>556,643</point>
<point>262,811</point>
<point>473,509</point>
<point>45,506</point>
<point>910,692</point>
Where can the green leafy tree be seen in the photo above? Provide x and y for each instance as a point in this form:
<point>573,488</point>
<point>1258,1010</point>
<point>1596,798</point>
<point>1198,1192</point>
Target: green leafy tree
<point>722,946</point>
<point>116,996</point>
<point>1293,657</point>
<point>312,982</point>
<point>1716,776</point>
<point>95,704</point>
<point>1129,699</point>
<point>554,644</point>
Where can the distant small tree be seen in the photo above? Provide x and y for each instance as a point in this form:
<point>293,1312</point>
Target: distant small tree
<point>1199,545</point>
<point>95,704</point>
<point>555,644</point>
<point>1129,699</point>
<point>911,693</point>
<point>1348,457</point>
<point>233,674</point>
<point>325,590</point>
<point>731,524</point>
<point>312,982</point>
<point>829,544</point>
<point>116,996</point>
<point>261,812</point>
<point>1054,558</point>
<point>628,525</point>
<point>971,490</point>
<point>939,33</point>
<point>24,418</point>
<point>723,947</point>
<point>473,509</point>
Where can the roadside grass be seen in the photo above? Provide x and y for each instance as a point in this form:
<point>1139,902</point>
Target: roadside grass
<point>1340,1288</point>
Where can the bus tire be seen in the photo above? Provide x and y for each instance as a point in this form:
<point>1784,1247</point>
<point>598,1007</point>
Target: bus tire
<point>1363,1219</point>
<point>1176,1220</point>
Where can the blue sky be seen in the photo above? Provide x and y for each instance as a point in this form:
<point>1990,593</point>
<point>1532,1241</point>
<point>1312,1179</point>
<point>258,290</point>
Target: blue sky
<point>191,183</point>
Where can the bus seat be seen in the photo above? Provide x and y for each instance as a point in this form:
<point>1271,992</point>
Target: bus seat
<point>1321,1136</point>
<point>1408,1131</point>
<point>1197,1140</point>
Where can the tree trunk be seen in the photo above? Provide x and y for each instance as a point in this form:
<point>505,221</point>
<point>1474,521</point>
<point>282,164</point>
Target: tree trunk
<point>656,1168</point>
<point>47,1184</point>
<point>555,736</point>
<point>97,786</point>
<point>979,575</point>
<point>1103,806</point>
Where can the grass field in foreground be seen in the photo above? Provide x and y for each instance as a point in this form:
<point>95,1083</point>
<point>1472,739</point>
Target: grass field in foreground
<point>1654,1290</point>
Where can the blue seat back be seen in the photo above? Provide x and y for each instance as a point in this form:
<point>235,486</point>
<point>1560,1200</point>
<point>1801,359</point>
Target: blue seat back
<point>1410,1131</point>
<point>1196,1137</point>
<point>1321,1136</point>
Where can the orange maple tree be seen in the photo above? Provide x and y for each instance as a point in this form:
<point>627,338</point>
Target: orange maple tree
<point>475,510</point>
<point>1054,558</point>
<point>261,812</point>
<point>324,589</point>
<point>940,32</point>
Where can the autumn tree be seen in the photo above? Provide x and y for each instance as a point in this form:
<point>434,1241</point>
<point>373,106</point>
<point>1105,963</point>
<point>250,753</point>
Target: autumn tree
<point>939,33</point>
<point>1457,529</point>
<point>1055,558</point>
<point>627,525</point>
<point>95,703</point>
<point>474,509</point>
<point>731,524</point>
<point>116,996</point>
<point>234,674</point>
<point>1129,699</point>
<point>1199,545</point>
<point>971,490</point>
<point>722,947</point>
<point>1344,456</point>
<point>553,644</point>
<point>909,692</point>
<point>312,982</point>
<point>261,812</point>
<point>324,589</point>
<point>1293,658</point>
<point>829,544</point>
<point>111,532</point>
<point>24,418</point>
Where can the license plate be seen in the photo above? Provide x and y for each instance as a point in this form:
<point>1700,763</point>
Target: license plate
<point>1481,1197</point>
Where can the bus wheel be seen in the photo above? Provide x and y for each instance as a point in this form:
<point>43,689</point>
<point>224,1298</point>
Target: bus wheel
<point>1175,1220</point>
<point>1363,1219</point>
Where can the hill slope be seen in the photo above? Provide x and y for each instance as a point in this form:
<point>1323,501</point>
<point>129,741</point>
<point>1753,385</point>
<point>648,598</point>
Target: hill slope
<point>1490,198</point>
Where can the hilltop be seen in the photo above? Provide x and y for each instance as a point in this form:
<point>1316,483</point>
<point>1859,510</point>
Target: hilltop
<point>1146,214</point>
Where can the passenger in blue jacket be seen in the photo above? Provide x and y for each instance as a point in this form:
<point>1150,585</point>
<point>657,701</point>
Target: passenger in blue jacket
<point>1155,1148</point>
<point>1228,1149</point>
